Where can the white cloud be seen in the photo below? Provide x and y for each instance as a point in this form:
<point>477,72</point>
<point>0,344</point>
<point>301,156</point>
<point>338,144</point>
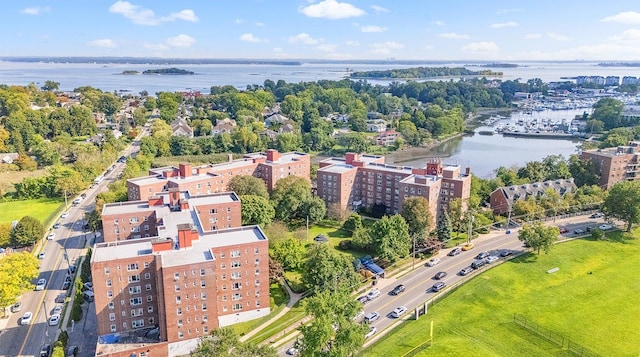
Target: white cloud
<point>532,36</point>
<point>482,46</point>
<point>36,10</point>
<point>181,41</point>
<point>438,23</point>
<point>557,37</point>
<point>454,36</point>
<point>627,18</point>
<point>238,21</point>
<point>504,24</point>
<point>249,37</point>
<point>105,42</point>
<point>327,47</point>
<point>141,16</point>
<point>260,24</point>
<point>384,48</point>
<point>332,9</point>
<point>628,35</point>
<point>378,8</point>
<point>304,38</point>
<point>373,29</point>
<point>352,43</point>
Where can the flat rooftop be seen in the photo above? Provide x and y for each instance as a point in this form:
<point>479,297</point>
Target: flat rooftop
<point>200,251</point>
<point>143,206</point>
<point>338,168</point>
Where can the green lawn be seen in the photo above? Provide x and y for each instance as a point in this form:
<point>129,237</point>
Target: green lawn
<point>46,210</point>
<point>281,326</point>
<point>279,299</point>
<point>592,300</point>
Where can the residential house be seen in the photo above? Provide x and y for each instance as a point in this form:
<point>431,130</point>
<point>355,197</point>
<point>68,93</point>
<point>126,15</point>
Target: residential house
<point>180,127</point>
<point>387,138</point>
<point>502,199</point>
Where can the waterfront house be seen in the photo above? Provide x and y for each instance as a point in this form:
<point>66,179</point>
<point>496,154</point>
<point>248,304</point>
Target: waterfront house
<point>502,199</point>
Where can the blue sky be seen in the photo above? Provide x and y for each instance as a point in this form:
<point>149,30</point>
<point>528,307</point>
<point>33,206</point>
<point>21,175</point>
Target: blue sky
<point>325,29</point>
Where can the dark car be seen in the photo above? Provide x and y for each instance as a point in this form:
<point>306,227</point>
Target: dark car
<point>438,286</point>
<point>563,230</point>
<point>57,225</point>
<point>439,275</point>
<point>72,351</point>
<point>466,271</point>
<point>477,264</point>
<point>506,253</point>
<point>454,251</point>
<point>482,255</point>
<point>45,351</point>
<point>61,298</point>
<point>363,299</point>
<point>83,195</point>
<point>397,290</point>
<point>66,285</point>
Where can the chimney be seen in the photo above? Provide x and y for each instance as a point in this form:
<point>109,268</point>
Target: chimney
<point>186,235</point>
<point>350,157</point>
<point>185,170</point>
<point>434,167</point>
<point>159,245</point>
<point>230,157</point>
<point>174,196</point>
<point>419,171</point>
<point>273,155</point>
<point>156,201</point>
<point>467,171</point>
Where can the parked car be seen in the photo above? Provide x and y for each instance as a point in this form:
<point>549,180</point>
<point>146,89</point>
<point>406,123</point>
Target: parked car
<point>482,255</point>
<point>363,299</point>
<point>371,317</point>
<point>398,311</point>
<point>454,251</point>
<point>467,246</point>
<point>87,286</point>
<point>597,215</point>
<point>438,286</point>
<point>66,285</point>
<point>372,331</point>
<point>61,298</point>
<point>398,289</point>
<point>374,293</point>
<point>64,215</point>
<point>563,230</point>
<point>72,351</point>
<point>293,351</point>
<point>57,225</point>
<point>477,264</point>
<point>465,271</point>
<point>605,227</point>
<point>45,351</point>
<point>490,259</point>
<point>41,284</point>
<point>433,262</point>
<point>16,307</point>
<point>439,275</point>
<point>26,318</point>
<point>506,253</point>
<point>77,201</point>
<point>578,231</point>
<point>83,195</point>
<point>41,255</point>
<point>57,310</point>
<point>54,320</point>
<point>358,316</point>
<point>51,236</point>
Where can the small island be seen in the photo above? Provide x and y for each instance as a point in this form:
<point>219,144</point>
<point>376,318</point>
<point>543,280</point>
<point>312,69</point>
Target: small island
<point>422,73</point>
<point>171,71</point>
<point>130,72</point>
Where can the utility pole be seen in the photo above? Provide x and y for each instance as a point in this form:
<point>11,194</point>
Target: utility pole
<point>65,199</point>
<point>413,239</point>
<point>470,229</point>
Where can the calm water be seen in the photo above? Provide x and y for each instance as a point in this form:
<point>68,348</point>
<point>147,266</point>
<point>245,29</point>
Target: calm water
<point>485,153</point>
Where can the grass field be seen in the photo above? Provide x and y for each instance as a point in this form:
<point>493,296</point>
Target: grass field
<point>592,300</point>
<point>45,210</point>
<point>8,178</point>
<point>281,325</point>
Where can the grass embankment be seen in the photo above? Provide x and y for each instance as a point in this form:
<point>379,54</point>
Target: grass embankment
<point>591,300</point>
<point>46,210</point>
<point>281,326</point>
<point>279,299</point>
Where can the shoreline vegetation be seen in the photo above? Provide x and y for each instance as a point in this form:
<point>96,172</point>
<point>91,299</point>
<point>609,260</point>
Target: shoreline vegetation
<point>423,73</point>
<point>169,71</point>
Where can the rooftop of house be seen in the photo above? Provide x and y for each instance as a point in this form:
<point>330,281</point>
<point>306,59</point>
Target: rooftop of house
<point>200,251</point>
<point>515,192</point>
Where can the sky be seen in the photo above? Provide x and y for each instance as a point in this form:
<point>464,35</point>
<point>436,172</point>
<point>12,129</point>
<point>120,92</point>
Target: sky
<point>493,30</point>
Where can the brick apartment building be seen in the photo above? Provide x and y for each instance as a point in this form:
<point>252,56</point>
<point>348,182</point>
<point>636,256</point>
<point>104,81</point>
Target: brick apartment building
<point>615,164</point>
<point>147,218</point>
<point>503,198</point>
<point>365,180</point>
<point>270,167</point>
<point>157,295</point>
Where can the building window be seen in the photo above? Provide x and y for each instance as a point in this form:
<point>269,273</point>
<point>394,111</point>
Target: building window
<point>180,334</point>
<point>180,322</point>
<point>235,275</point>
<point>146,264</point>
<point>134,278</point>
<point>133,266</point>
<point>112,316</point>
<point>176,276</point>
<point>177,287</point>
<point>179,311</point>
<point>109,283</point>
<point>203,284</point>
<point>134,220</point>
<point>113,328</point>
<point>149,298</point>
<point>106,270</point>
<point>235,253</point>
<point>146,227</point>
<point>235,264</point>
<point>201,272</point>
<point>223,266</point>
<point>135,289</point>
<point>203,295</point>
<point>135,301</point>
<point>178,300</point>
<point>109,293</point>
<point>236,297</point>
<point>137,323</point>
<point>236,286</point>
<point>147,276</point>
<point>224,297</point>
<point>256,250</point>
<point>237,307</point>
<point>111,305</point>
<point>204,307</point>
<point>136,312</point>
<point>150,310</point>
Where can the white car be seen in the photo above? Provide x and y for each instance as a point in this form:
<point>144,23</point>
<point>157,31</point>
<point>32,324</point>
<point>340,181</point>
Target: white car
<point>398,311</point>
<point>41,284</point>
<point>57,310</point>
<point>293,351</point>
<point>26,318</point>
<point>373,294</point>
<point>77,201</point>
<point>605,227</point>
<point>54,320</point>
<point>51,236</point>
<point>490,259</point>
<point>433,262</point>
<point>358,316</point>
<point>64,215</point>
<point>41,255</point>
<point>372,331</point>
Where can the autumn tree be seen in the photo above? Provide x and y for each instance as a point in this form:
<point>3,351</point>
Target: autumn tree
<point>17,270</point>
<point>538,236</point>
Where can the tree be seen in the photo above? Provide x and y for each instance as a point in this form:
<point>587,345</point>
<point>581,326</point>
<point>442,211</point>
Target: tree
<point>256,210</point>
<point>5,235</point>
<point>457,215</point>
<point>353,223</point>
<point>17,270</point>
<point>325,269</point>
<point>244,185</point>
<point>539,236</point>
<point>315,209</point>
<point>28,231</point>
<point>289,252</point>
<point>623,203</point>
<point>584,172</point>
<point>51,85</point>
<point>390,237</point>
<point>361,239</point>
<point>444,227</point>
<point>290,196</point>
<point>224,342</point>
<point>415,212</point>
<point>108,103</point>
<point>332,331</point>
<point>608,110</point>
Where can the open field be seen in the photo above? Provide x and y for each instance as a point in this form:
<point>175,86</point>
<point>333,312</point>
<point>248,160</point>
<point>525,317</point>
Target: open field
<point>591,300</point>
<point>8,178</point>
<point>44,209</point>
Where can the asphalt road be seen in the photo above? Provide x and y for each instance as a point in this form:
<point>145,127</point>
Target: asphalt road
<point>27,340</point>
<point>419,282</point>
